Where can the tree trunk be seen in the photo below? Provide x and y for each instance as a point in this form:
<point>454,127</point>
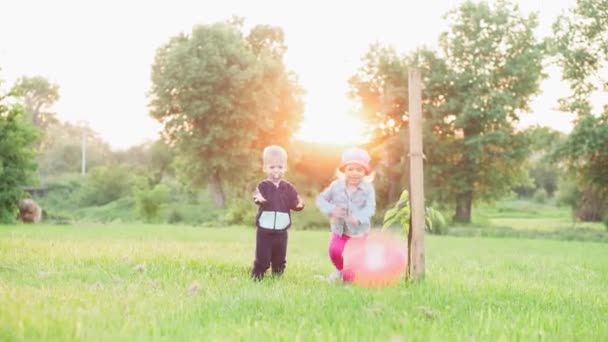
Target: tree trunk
<point>216,190</point>
<point>463,207</point>
<point>591,206</point>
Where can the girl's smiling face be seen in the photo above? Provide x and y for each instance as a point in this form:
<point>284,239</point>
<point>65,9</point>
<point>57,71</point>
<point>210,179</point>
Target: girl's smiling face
<point>354,174</point>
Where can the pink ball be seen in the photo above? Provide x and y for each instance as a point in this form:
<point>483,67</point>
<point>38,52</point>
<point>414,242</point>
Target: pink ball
<point>376,261</point>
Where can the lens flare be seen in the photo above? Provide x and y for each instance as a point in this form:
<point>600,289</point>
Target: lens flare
<point>377,261</point>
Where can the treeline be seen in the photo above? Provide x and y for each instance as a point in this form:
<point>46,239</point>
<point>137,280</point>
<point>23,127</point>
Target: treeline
<point>222,93</point>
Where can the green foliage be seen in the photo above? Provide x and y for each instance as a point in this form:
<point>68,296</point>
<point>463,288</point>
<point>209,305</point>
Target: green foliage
<point>569,193</point>
<point>544,170</point>
<point>435,222</point>
<point>175,217</point>
<point>17,166</point>
<point>588,203</point>
<point>310,218</point>
<point>540,196</point>
<point>215,89</point>
<point>241,212</point>
<point>148,201</point>
<point>105,184</point>
<point>61,150</point>
<point>581,44</point>
<point>153,159</point>
<point>399,214</point>
<point>526,219</point>
<point>37,95</point>
<point>586,151</point>
<point>487,70</point>
<point>120,210</point>
<point>62,195</point>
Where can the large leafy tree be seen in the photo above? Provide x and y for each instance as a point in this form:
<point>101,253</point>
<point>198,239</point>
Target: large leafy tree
<point>493,68</point>
<point>37,95</point>
<point>221,96</point>
<point>17,155</point>
<point>487,69</point>
<point>581,45</point>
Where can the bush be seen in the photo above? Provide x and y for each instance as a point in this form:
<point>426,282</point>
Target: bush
<point>149,201</point>
<point>105,184</point>
<point>17,155</point>
<point>241,212</point>
<point>540,196</point>
<point>434,221</point>
<point>175,217</point>
<point>119,210</point>
<point>310,219</point>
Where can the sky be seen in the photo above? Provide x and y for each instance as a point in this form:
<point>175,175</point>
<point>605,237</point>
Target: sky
<point>100,54</point>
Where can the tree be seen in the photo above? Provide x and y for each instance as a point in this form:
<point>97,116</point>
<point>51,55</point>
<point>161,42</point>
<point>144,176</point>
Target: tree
<point>380,85</point>
<point>37,95</point>
<point>544,170</point>
<point>495,68</point>
<point>17,155</point>
<point>152,159</point>
<point>581,46</point>
<point>221,97</point>
<point>61,149</point>
<point>487,69</point>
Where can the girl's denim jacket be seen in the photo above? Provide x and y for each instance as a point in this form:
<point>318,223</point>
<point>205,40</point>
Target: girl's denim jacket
<point>360,204</point>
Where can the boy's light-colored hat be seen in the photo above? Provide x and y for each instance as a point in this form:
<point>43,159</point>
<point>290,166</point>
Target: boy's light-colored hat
<point>357,156</point>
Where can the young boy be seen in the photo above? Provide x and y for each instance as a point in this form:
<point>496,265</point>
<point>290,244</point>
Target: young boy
<point>275,198</point>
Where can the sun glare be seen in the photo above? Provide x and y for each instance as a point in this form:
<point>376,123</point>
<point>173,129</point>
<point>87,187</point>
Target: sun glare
<point>332,128</point>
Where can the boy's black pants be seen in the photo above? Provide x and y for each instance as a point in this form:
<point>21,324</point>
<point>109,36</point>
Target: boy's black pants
<point>270,249</point>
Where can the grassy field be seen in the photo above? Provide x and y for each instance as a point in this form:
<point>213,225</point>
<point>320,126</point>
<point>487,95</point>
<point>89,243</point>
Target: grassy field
<point>144,282</point>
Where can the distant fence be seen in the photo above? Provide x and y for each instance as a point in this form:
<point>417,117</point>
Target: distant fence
<point>36,191</point>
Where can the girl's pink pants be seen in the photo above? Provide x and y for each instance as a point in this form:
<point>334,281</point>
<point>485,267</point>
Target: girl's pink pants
<point>336,249</point>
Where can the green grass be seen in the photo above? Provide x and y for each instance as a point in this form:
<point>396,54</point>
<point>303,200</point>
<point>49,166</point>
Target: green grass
<point>139,282</point>
<point>518,218</point>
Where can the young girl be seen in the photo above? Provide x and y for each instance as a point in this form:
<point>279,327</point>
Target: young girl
<point>350,203</point>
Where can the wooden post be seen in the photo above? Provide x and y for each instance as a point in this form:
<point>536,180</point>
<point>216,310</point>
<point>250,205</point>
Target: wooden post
<point>416,251</point>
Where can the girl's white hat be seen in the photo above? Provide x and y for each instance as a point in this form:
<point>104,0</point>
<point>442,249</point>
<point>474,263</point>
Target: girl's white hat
<point>357,156</point>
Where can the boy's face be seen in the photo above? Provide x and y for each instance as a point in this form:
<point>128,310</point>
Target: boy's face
<point>275,170</point>
<point>354,173</point>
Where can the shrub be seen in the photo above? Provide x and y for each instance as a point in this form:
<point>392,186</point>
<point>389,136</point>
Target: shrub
<point>240,212</point>
<point>17,155</point>
<point>105,184</point>
<point>540,196</point>
<point>175,217</point>
<point>149,201</point>
<point>434,221</point>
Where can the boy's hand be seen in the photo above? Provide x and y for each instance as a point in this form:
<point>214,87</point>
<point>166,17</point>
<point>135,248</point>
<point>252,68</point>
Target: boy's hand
<point>257,197</point>
<point>300,204</point>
